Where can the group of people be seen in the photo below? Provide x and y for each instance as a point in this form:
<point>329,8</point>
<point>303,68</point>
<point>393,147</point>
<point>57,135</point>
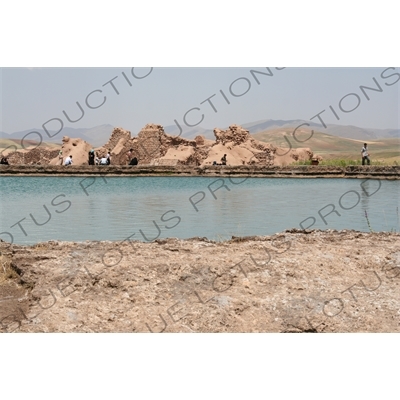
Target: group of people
<point>94,160</point>
<point>67,161</point>
<point>223,161</point>
<point>130,160</point>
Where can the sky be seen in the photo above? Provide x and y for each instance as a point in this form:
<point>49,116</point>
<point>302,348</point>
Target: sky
<point>133,97</point>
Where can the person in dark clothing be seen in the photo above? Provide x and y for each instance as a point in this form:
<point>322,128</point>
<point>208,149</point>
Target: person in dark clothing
<point>4,161</point>
<point>134,161</point>
<point>108,156</point>
<point>91,157</point>
<point>129,155</point>
<point>223,160</point>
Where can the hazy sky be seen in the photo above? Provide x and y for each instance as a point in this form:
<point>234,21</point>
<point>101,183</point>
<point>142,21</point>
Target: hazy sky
<point>33,96</point>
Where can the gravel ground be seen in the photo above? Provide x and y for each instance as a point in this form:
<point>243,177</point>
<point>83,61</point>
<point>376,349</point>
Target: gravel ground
<point>296,281</point>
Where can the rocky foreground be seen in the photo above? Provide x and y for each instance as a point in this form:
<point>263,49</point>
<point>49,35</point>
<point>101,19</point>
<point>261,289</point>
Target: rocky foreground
<point>296,281</point>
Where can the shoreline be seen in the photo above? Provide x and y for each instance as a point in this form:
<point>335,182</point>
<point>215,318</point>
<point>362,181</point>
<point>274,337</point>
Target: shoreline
<point>300,171</point>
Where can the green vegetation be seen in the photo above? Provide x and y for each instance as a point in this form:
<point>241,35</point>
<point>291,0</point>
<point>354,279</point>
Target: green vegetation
<point>336,162</point>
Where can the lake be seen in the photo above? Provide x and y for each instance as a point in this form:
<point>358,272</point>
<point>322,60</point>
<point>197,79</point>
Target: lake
<point>36,209</point>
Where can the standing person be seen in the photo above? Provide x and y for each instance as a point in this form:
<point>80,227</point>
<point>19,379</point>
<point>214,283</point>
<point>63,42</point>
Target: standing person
<point>223,160</point>
<point>365,155</point>
<point>108,157</point>
<point>129,156</point>
<point>91,157</point>
<point>60,157</point>
<point>68,160</point>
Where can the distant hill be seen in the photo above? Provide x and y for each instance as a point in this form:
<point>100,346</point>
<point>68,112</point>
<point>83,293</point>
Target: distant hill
<point>262,125</point>
<point>354,132</point>
<point>11,145</point>
<point>345,131</point>
<point>99,135</point>
<point>330,146</point>
<point>96,136</point>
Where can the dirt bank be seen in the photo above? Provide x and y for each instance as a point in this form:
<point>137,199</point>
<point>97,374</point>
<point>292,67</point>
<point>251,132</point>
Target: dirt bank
<point>301,171</point>
<point>296,281</point>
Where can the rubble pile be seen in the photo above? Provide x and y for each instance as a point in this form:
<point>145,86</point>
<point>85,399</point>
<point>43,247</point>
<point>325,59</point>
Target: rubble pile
<point>153,146</point>
<point>233,135</point>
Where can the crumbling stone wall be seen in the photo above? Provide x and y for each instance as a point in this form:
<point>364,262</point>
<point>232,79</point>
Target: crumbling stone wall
<point>266,157</point>
<point>235,134</point>
<point>149,143</point>
<point>37,156</point>
<point>153,143</point>
<point>116,135</point>
<point>116,144</point>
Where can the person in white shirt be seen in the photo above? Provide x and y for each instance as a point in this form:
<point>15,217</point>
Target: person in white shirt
<point>68,160</point>
<point>365,155</point>
<point>103,161</point>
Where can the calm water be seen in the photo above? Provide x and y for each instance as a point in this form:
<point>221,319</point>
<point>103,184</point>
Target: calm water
<point>146,208</point>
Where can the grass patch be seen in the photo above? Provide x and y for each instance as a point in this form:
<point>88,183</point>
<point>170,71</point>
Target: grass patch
<point>7,273</point>
<point>40,246</point>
